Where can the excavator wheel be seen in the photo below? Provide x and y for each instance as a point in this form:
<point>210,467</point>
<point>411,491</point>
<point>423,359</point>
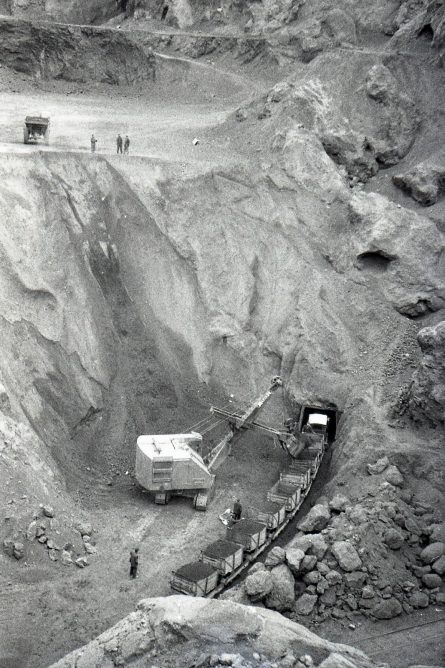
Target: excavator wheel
<point>162,498</point>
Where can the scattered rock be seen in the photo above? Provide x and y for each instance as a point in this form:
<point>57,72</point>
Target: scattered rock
<point>81,562</point>
<point>48,511</point>
<point>316,519</point>
<point>394,539</point>
<point>432,552</point>
<point>258,585</point>
<point>368,592</point>
<point>314,543</point>
<point>66,558</point>
<point>338,503</point>
<point>355,580</point>
<point>439,566</point>
<point>425,182</point>
<point>387,609</point>
<point>294,557</point>
<point>305,604</point>
<point>334,577</point>
<point>379,466</point>
<point>393,476</point>
<point>282,595</point>
<point>346,555</point>
<point>31,530</point>
<point>275,557</point>
<point>19,550</point>
<point>419,600</point>
<point>309,562</point>
<point>426,400</point>
<point>90,549</point>
<point>432,580</point>
<point>53,555</point>
<point>84,528</point>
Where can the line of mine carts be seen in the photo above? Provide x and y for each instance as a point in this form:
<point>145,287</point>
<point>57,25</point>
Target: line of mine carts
<point>222,561</point>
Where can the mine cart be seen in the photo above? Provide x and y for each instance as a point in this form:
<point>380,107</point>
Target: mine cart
<point>36,130</point>
<point>223,555</point>
<point>251,534</point>
<point>298,472</point>
<point>195,579</point>
<point>312,456</point>
<point>272,514</point>
<point>285,492</point>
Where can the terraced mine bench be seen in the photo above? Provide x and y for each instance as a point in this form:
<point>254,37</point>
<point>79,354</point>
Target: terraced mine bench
<point>251,534</point>
<point>272,514</point>
<point>223,555</point>
<point>195,579</point>
<point>285,492</point>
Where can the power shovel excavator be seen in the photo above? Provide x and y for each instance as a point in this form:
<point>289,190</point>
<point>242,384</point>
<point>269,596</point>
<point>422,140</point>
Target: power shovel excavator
<point>170,464</point>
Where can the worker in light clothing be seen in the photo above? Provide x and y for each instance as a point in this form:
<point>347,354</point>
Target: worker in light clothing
<point>127,145</point>
<point>134,562</point>
<point>119,143</point>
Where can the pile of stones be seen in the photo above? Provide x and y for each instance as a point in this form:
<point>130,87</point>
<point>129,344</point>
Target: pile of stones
<point>378,557</point>
<point>41,530</point>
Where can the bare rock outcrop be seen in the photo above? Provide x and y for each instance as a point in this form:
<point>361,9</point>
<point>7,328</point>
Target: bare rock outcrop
<point>399,117</point>
<point>181,629</point>
<point>73,53</point>
<point>403,249</point>
<point>425,182</point>
<point>426,401</point>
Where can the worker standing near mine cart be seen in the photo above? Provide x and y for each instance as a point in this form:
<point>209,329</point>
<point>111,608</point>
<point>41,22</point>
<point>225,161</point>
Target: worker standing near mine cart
<point>134,562</point>
<point>93,141</point>
<point>119,143</point>
<point>126,145</point>
<point>237,510</point>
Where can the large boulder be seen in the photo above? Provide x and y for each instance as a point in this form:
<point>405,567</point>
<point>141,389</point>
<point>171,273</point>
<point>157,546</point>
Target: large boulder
<point>312,544</point>
<point>159,626</point>
<point>394,539</point>
<point>258,585</point>
<point>425,182</point>
<point>294,557</point>
<point>346,555</point>
<point>275,557</point>
<point>282,595</point>
<point>316,519</point>
<point>432,552</point>
<point>426,400</point>
<point>305,604</point>
<point>387,609</point>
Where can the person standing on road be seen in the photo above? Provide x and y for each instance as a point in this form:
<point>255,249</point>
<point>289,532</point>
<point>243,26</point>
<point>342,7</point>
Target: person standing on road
<point>93,141</point>
<point>134,562</point>
<point>127,145</point>
<point>119,144</point>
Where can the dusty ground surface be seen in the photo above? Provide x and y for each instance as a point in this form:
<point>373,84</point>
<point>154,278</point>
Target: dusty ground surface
<point>47,609</point>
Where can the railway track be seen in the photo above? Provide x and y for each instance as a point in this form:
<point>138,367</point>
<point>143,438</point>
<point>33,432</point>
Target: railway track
<point>214,581</point>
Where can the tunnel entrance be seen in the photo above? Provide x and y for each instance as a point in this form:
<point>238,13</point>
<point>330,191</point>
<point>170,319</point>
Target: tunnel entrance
<point>333,415</point>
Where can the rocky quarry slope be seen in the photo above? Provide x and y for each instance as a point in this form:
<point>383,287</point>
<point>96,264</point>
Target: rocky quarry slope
<point>131,292</point>
<point>179,631</point>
